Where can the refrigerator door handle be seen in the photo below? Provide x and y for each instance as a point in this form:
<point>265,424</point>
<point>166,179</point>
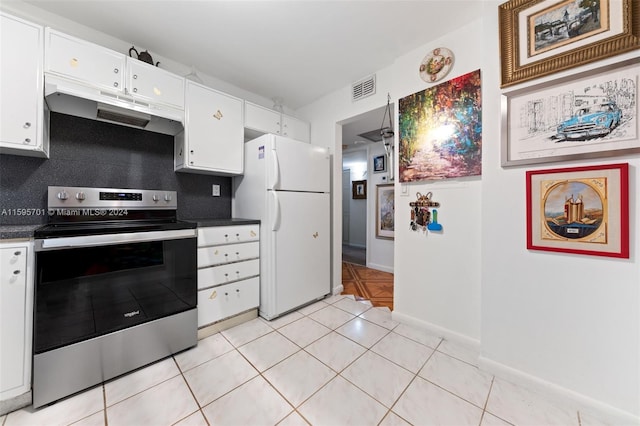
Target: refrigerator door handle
<point>276,217</point>
<point>276,170</point>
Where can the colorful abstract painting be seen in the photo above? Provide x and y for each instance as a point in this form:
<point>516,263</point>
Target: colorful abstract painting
<point>441,131</point>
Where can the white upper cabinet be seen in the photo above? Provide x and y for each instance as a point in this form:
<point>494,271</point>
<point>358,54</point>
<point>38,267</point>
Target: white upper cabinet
<point>23,130</point>
<point>110,71</point>
<point>259,120</point>
<point>147,82</point>
<point>212,141</point>
<point>85,62</point>
<point>295,128</point>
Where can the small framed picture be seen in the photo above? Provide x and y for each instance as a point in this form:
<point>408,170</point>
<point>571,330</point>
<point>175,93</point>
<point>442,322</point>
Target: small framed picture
<point>385,211</point>
<point>379,164</point>
<point>579,210</point>
<point>359,189</point>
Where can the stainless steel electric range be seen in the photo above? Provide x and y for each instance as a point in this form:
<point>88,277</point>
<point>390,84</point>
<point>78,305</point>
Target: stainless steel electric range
<point>116,287</point>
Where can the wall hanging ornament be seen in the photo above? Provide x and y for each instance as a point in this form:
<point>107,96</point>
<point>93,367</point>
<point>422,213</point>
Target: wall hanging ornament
<point>422,218</point>
<point>436,65</point>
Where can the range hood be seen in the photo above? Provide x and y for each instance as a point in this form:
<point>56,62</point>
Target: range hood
<point>69,97</point>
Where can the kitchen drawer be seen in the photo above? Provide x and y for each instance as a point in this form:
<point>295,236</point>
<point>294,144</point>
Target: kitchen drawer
<point>221,302</point>
<point>227,234</point>
<point>217,255</point>
<point>223,274</point>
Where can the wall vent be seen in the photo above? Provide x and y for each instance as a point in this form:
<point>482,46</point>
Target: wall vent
<point>363,88</point>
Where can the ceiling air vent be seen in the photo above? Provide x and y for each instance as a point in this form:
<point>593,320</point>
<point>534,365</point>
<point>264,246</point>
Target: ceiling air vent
<point>363,88</point>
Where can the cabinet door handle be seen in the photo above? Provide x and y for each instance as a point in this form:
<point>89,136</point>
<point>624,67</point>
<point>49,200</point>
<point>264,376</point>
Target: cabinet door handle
<point>17,253</point>
<point>135,76</point>
<point>237,290</point>
<point>27,125</point>
<point>27,140</point>
<point>116,70</point>
<point>115,84</point>
<point>16,272</point>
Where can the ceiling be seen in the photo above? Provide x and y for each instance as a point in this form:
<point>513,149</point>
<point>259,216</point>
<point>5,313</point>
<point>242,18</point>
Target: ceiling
<point>297,51</point>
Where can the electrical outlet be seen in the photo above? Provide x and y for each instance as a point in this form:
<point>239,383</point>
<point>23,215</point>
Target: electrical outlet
<point>215,190</point>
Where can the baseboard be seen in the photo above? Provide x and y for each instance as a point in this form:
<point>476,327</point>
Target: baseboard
<point>587,405</point>
<point>338,289</point>
<point>383,268</point>
<point>15,403</point>
<point>440,331</point>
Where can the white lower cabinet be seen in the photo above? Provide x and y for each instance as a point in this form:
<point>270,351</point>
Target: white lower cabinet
<point>217,303</point>
<point>228,271</point>
<point>16,301</point>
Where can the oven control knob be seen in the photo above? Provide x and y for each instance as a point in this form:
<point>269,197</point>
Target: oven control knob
<point>62,195</point>
<point>155,197</point>
<point>80,196</point>
<point>167,197</point>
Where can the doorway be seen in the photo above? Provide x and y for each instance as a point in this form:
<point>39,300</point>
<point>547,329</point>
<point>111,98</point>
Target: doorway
<point>361,144</point>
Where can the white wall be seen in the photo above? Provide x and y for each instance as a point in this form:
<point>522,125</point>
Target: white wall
<point>566,323</point>
<point>570,320</point>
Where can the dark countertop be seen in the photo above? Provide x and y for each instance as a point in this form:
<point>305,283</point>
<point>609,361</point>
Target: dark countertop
<point>203,223</point>
<point>11,232</point>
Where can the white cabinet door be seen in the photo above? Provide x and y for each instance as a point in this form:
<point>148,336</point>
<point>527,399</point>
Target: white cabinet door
<point>21,96</point>
<point>216,235</point>
<point>217,255</point>
<point>261,119</point>
<point>218,303</point>
<point>213,139</point>
<point>15,331</point>
<point>295,128</point>
<point>223,274</point>
<point>152,84</point>
<point>83,61</point>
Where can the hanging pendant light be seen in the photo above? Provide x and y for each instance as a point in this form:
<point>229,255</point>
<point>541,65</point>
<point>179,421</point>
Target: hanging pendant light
<point>388,135</point>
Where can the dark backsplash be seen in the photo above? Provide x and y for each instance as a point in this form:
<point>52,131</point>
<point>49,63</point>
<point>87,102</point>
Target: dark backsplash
<point>97,154</point>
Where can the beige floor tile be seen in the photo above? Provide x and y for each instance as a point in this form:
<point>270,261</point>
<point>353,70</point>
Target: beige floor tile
<point>177,402</point>
<point>255,403</point>
<point>342,403</point>
<point>335,350</point>
<point>268,350</point>
<point>298,377</point>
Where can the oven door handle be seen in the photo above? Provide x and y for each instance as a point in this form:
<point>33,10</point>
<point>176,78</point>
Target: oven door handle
<point>111,239</point>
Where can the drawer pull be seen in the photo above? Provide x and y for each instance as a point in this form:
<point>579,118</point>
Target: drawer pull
<point>17,253</point>
<point>27,125</point>
<point>16,272</point>
<point>226,294</point>
<point>252,233</point>
<point>213,295</point>
<point>237,290</point>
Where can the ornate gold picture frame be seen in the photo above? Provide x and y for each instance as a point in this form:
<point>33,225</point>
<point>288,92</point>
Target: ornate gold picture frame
<point>540,37</point>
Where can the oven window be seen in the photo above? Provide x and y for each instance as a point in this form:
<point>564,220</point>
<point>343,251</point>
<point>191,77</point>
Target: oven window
<point>83,293</point>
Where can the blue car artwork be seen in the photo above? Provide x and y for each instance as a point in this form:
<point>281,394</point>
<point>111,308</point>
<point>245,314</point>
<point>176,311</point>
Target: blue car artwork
<point>591,121</point>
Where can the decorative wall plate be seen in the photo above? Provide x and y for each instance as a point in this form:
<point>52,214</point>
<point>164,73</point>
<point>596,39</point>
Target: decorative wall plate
<point>436,64</point>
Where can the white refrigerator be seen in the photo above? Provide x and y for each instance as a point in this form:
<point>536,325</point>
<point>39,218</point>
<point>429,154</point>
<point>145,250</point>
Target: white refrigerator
<point>286,185</point>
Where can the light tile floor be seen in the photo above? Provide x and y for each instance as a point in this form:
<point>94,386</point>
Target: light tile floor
<point>336,362</point>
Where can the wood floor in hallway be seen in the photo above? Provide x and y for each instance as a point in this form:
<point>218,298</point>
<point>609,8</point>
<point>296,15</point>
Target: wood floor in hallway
<point>366,283</point>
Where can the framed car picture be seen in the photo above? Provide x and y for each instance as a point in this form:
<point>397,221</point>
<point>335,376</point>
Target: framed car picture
<point>589,115</point>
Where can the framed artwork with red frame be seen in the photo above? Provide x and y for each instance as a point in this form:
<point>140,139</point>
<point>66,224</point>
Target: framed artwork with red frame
<point>579,210</point>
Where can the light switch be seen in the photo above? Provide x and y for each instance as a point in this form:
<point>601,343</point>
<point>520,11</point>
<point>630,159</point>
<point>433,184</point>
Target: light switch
<point>215,190</point>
